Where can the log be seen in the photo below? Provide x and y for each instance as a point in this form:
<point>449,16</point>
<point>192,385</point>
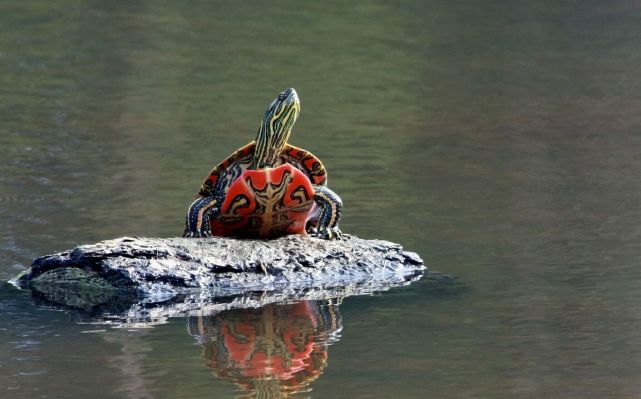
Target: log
<point>158,269</point>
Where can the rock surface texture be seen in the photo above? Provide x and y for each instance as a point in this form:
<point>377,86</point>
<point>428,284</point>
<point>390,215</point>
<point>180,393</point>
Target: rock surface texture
<point>165,267</point>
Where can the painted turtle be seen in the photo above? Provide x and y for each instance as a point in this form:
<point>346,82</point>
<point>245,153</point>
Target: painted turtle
<point>268,188</point>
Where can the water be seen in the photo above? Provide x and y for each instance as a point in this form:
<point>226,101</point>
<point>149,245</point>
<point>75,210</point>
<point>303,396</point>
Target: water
<point>499,140</point>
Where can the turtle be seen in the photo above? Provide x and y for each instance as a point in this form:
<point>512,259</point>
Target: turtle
<point>267,188</point>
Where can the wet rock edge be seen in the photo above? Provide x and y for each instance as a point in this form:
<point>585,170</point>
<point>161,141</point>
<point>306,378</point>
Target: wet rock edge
<point>161,267</point>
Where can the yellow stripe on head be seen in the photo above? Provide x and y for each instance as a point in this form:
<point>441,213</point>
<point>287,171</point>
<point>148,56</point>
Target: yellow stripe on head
<point>275,129</point>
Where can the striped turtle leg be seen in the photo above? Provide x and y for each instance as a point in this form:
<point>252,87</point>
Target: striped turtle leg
<point>199,216</point>
<point>330,206</point>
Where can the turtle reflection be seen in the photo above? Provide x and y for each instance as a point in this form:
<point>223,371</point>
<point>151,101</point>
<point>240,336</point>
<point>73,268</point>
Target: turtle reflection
<point>273,351</point>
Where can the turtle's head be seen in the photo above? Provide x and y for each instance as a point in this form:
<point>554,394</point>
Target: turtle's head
<point>275,129</point>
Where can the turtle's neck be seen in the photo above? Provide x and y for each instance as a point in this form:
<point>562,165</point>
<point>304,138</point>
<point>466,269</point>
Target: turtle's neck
<point>270,157</point>
<point>275,129</point>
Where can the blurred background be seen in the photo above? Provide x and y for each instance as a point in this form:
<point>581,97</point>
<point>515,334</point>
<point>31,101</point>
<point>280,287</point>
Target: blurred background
<point>500,140</point>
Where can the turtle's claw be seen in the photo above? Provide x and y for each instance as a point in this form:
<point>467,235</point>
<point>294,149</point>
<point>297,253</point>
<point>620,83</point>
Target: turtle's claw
<point>205,234</point>
<point>338,233</point>
<point>332,233</point>
<point>198,234</point>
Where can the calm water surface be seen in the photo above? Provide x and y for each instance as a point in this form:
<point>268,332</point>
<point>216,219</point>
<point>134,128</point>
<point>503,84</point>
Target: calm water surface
<point>500,140</point>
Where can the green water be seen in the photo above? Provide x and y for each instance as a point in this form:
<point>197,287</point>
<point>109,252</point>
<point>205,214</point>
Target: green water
<point>500,140</point>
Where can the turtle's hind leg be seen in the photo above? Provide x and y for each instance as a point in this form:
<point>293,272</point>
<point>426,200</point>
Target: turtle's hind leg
<point>199,216</point>
<point>330,206</point>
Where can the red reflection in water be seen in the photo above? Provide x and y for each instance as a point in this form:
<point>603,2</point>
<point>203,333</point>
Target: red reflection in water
<point>275,350</point>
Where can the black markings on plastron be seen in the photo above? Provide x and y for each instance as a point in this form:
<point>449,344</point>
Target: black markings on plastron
<point>239,202</point>
<point>300,194</point>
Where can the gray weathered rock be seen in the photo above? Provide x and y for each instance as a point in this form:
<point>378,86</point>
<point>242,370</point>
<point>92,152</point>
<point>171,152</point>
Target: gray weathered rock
<point>158,268</point>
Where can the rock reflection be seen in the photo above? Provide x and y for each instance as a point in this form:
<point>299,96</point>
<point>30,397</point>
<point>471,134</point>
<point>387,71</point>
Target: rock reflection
<point>272,352</point>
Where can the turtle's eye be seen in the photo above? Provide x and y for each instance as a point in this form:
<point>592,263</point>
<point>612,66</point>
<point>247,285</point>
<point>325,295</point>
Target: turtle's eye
<point>282,96</point>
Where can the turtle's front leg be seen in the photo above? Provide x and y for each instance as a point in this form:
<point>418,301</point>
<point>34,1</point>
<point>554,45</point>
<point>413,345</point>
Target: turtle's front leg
<point>330,206</point>
<point>199,216</point>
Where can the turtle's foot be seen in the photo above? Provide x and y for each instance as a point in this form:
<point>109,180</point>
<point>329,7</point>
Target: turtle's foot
<point>199,215</point>
<point>331,233</point>
<point>203,233</point>
<point>330,206</point>
<point>198,234</point>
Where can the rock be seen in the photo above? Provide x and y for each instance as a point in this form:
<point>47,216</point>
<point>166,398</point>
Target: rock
<point>162,268</point>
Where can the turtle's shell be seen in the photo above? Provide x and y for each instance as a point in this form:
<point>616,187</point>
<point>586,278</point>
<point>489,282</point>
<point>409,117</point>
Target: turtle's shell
<point>268,202</point>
